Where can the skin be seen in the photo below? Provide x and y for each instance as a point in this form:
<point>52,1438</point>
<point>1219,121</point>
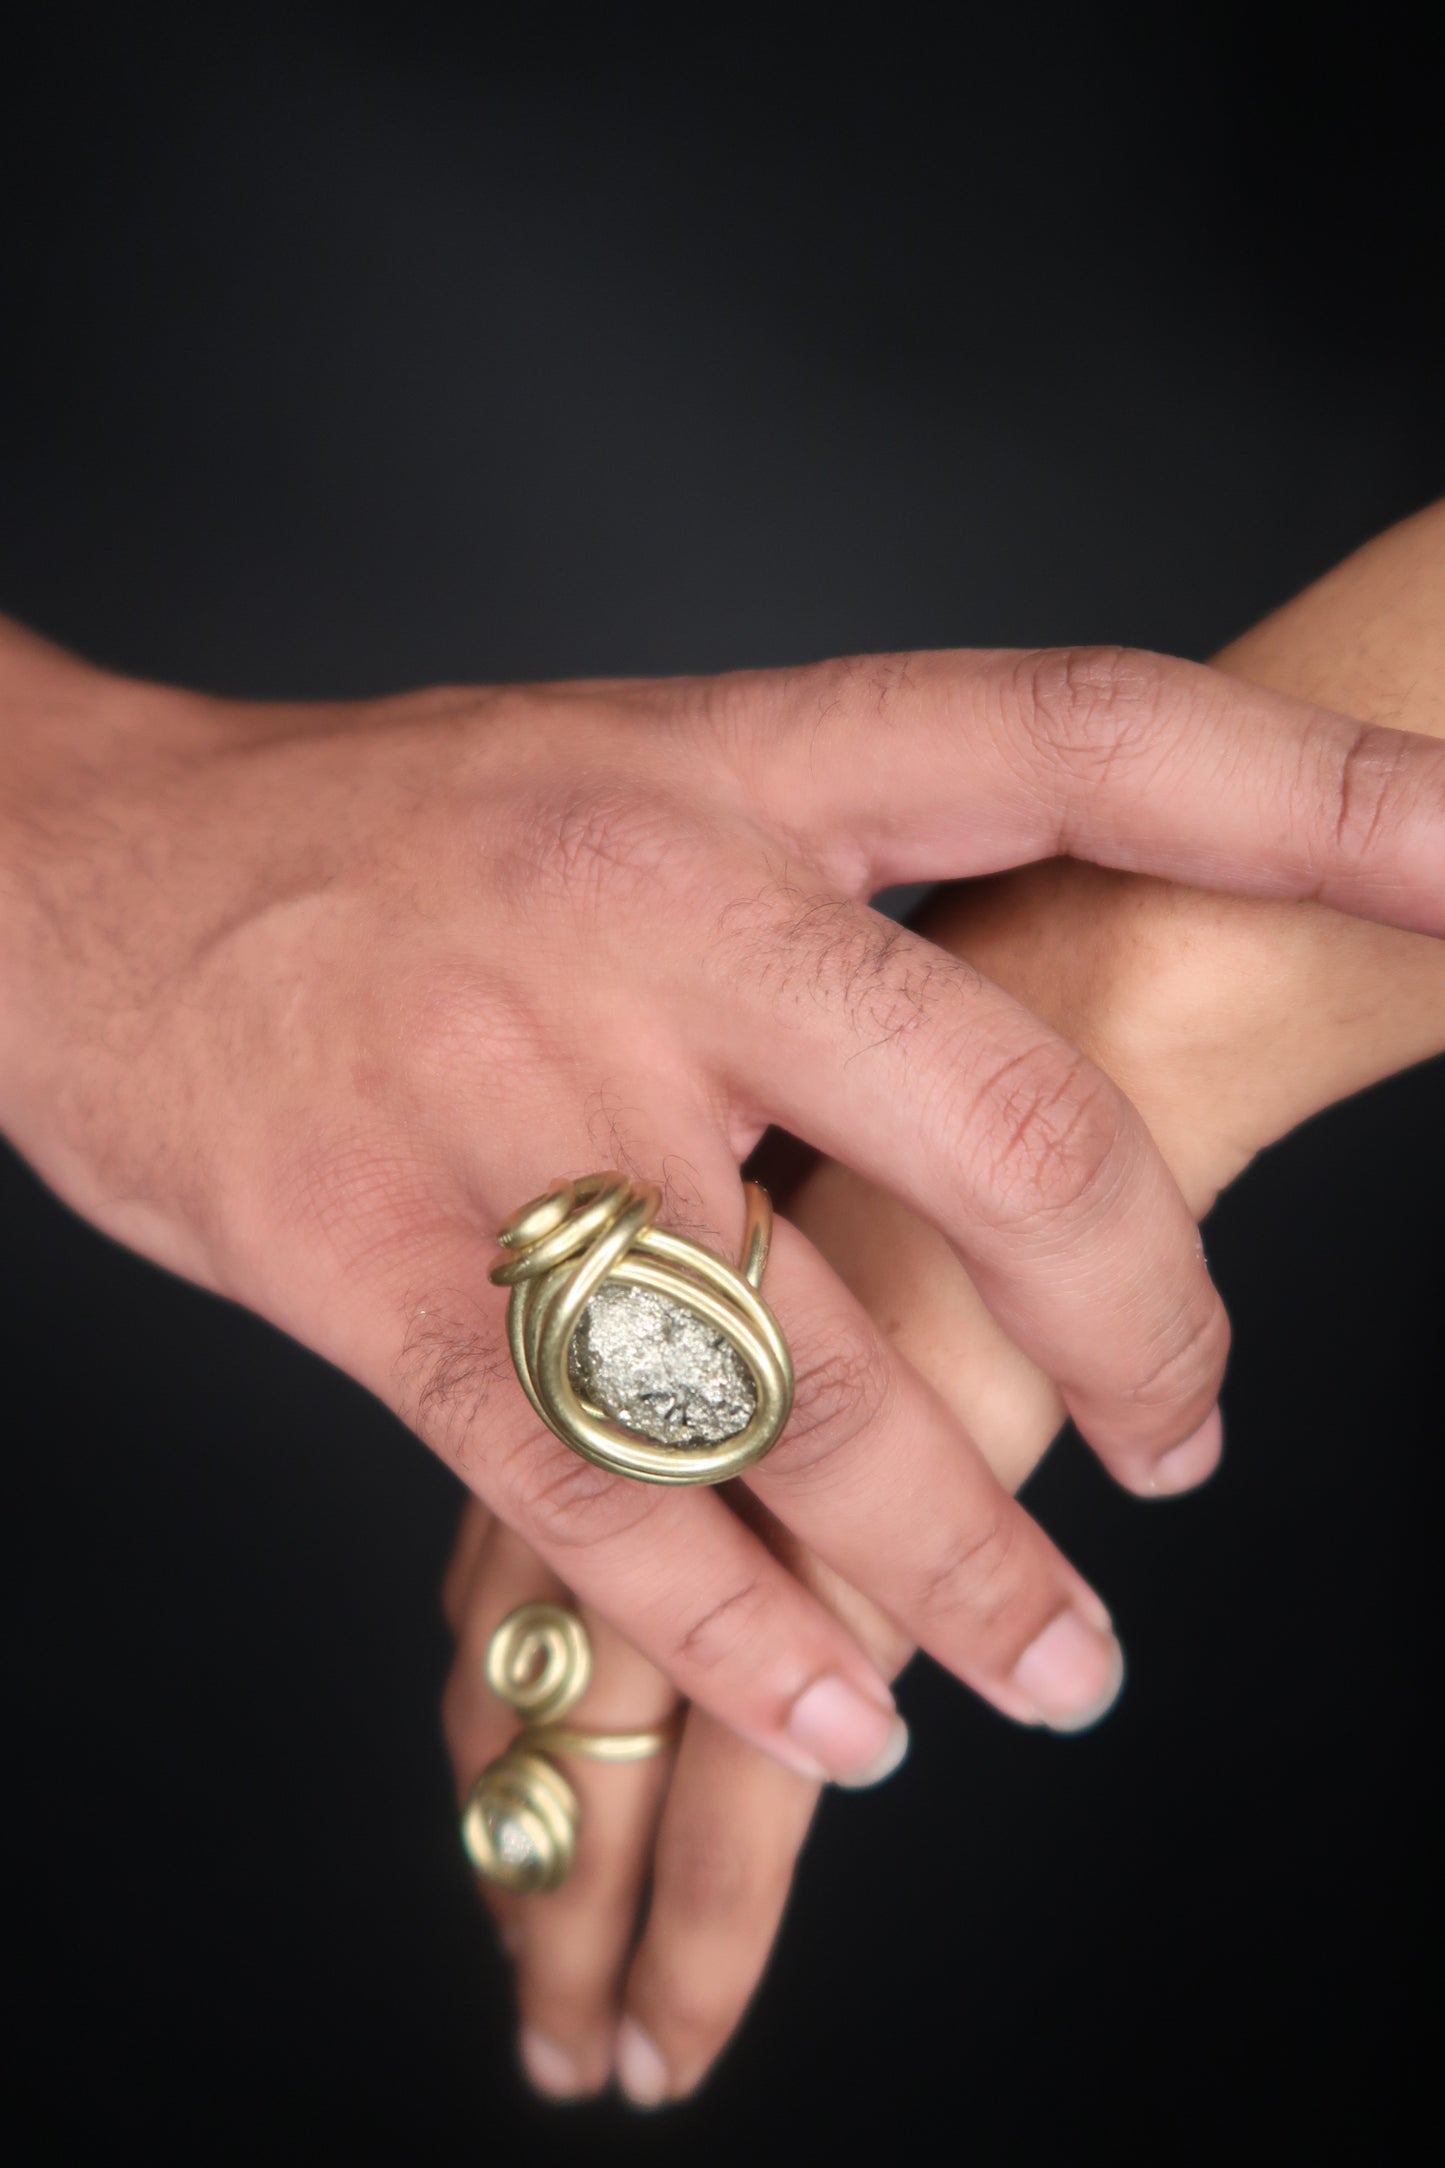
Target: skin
<point>1179,996</point>
<point>303,1001</point>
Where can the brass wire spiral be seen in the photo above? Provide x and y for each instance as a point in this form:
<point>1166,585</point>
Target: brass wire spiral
<point>562,1247</point>
<point>521,1818</point>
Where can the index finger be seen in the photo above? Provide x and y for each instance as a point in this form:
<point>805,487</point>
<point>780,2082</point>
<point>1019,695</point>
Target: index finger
<point>928,766</point>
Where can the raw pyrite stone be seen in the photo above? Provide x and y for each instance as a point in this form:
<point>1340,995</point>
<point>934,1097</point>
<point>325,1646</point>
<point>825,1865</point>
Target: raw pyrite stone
<point>659,1369</point>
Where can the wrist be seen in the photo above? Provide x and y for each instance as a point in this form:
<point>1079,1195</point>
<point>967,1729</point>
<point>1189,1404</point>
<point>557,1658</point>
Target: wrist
<point>79,750</point>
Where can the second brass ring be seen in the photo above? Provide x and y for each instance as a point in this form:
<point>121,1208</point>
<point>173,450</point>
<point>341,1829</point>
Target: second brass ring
<point>521,1818</point>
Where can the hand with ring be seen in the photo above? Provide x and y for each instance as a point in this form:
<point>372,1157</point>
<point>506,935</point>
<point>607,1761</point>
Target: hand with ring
<point>306,1001</point>
<point>1183,997</point>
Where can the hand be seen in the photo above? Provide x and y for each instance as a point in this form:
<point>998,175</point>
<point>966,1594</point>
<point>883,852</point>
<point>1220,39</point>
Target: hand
<point>302,1001</point>
<point>1229,1023</point>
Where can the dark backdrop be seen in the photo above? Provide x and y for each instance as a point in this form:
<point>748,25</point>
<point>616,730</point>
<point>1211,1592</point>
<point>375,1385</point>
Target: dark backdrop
<point>348,348</point>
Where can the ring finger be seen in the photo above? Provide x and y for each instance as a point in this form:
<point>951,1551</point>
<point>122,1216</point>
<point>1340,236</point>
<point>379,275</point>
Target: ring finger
<point>571,1945</point>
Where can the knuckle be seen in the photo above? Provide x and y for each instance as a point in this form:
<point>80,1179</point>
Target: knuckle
<point>609,841</point>
<point>790,941</point>
<point>562,1502</point>
<point>1086,706</point>
<point>779,729</point>
<point>701,1875</point>
<point>740,1619</point>
<point>696,2009</point>
<point>707,1877</point>
<point>446,1373</point>
<point>744,714</point>
<point>806,697</point>
<point>977,1577</point>
<point>807,950</point>
<point>1041,1136</point>
<point>600,1889</point>
<point>844,1382</point>
<point>1189,1366</point>
<point>566,1991</point>
<point>457,1019</point>
<point>1366,797</point>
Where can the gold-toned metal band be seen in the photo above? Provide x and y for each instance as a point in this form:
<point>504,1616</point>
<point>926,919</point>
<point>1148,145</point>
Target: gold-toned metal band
<point>605,1746</point>
<point>521,1817</point>
<point>560,1250</point>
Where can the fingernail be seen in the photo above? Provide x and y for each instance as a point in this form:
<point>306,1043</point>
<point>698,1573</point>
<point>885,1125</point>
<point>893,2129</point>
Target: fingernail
<point>841,1730</point>
<point>549,2068</point>
<point>894,1753</point>
<point>641,2071</point>
<point>1184,1466</point>
<point>1072,1673</point>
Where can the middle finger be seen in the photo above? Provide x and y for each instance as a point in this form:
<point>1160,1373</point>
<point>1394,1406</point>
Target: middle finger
<point>903,1063</point>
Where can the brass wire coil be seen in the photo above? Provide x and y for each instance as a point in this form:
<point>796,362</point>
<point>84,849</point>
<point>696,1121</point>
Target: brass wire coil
<point>521,1818</point>
<point>563,1246</point>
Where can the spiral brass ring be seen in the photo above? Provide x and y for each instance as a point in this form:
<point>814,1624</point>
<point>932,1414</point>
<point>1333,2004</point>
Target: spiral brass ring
<point>598,1233</point>
<point>521,1818</point>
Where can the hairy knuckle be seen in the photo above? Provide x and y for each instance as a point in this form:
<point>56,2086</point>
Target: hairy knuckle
<point>808,697</point>
<point>791,942</point>
<point>563,1502</point>
<point>740,713</point>
<point>1040,1135</point>
<point>447,1369</point>
<point>809,951</point>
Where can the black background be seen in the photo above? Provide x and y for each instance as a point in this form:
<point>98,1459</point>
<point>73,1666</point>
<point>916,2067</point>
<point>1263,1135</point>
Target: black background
<point>344,349</point>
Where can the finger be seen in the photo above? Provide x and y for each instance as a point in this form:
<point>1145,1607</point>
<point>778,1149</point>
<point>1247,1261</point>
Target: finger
<point>673,1570</point>
<point>570,1945</point>
<point>909,1280</point>
<point>977,1582</point>
<point>906,1065</point>
<point>732,1827</point>
<point>577,1940</point>
<point>476,1724</point>
<point>733,1824</point>
<point>731,1831</point>
<point>922,767</point>
<point>876,1476</point>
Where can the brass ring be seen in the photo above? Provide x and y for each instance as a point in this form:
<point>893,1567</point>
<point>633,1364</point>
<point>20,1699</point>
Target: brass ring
<point>642,1350</point>
<point>521,1817</point>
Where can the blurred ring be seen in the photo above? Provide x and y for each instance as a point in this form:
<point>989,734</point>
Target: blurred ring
<point>521,1818</point>
<point>641,1350</point>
